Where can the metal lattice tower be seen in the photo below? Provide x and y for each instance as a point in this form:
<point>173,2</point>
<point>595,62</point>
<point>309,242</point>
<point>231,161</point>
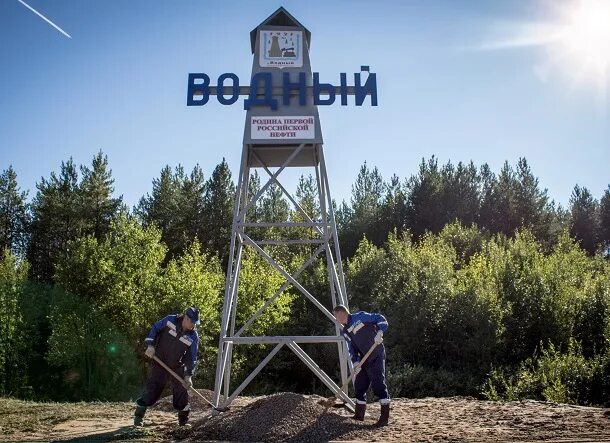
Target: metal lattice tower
<point>274,155</point>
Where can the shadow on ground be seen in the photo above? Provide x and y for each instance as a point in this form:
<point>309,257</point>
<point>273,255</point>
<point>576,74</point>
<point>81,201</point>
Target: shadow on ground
<point>125,433</point>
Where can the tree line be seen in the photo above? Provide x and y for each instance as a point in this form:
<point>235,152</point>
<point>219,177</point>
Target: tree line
<point>486,282</point>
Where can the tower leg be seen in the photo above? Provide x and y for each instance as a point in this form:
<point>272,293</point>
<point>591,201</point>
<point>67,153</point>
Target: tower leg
<point>320,176</point>
<point>230,288</point>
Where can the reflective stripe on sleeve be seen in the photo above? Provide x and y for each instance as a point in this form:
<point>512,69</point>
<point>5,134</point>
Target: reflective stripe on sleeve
<point>355,327</point>
<point>358,326</point>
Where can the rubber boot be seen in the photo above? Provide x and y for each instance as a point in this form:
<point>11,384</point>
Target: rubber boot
<point>183,418</point>
<point>384,417</point>
<point>138,416</point>
<point>360,411</point>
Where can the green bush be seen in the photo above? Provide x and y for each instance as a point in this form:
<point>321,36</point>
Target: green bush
<point>95,359</point>
<point>553,376</point>
<point>542,294</point>
<point>417,381</point>
<point>467,241</point>
<point>121,282</point>
<point>439,317</point>
<point>13,281</point>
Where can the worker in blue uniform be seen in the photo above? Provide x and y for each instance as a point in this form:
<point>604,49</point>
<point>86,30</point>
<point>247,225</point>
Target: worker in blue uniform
<point>361,331</point>
<point>174,340</point>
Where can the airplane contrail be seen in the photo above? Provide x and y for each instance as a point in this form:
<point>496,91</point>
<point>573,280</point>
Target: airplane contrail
<point>44,18</point>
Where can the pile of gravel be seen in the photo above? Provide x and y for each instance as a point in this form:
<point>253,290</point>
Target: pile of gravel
<point>282,417</point>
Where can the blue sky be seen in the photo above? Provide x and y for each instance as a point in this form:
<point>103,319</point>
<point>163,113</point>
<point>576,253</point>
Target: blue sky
<point>119,85</point>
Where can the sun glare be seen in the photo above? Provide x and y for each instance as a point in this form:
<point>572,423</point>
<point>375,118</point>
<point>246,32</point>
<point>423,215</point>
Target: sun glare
<point>576,37</point>
<point>586,36</point>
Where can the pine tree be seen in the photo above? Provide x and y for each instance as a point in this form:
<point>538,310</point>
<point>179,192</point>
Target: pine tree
<point>99,208</point>
<point>274,206</point>
<point>14,215</point>
<point>584,219</point>
<point>499,206</point>
<point>487,212</point>
<point>367,194</point>
<point>307,197</point>
<point>424,209</point>
<point>558,223</point>
<point>393,211</point>
<point>162,207</point>
<point>460,195</point>
<point>361,217</point>
<point>176,206</point>
<point>254,212</point>
<point>56,220</point>
<point>191,206</point>
<point>343,216</point>
<point>254,186</point>
<point>218,211</point>
<point>532,205</point>
<point>604,221</point>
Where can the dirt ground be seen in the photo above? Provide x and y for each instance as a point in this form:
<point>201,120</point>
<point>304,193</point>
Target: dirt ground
<point>298,418</point>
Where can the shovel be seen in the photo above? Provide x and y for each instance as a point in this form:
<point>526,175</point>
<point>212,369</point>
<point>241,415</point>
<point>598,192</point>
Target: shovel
<point>181,380</point>
<point>328,402</point>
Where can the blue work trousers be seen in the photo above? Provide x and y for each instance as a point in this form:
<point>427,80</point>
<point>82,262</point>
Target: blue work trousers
<point>157,379</point>
<point>372,374</point>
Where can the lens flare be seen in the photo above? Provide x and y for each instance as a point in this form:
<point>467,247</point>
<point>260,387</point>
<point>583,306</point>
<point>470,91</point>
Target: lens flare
<point>575,37</point>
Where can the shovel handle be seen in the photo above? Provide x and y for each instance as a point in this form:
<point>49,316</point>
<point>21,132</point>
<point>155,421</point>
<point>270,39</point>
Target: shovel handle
<point>168,369</point>
<point>360,363</point>
<point>180,379</point>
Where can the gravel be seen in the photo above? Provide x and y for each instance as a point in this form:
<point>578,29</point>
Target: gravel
<point>284,417</point>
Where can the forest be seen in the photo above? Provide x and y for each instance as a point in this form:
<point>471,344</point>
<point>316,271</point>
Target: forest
<point>490,288</point>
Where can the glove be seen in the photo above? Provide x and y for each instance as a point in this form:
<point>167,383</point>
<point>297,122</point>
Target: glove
<point>379,337</point>
<point>150,351</point>
<point>357,369</point>
<point>188,382</point>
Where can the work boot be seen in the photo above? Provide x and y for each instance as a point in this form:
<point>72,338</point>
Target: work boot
<point>138,416</point>
<point>384,417</point>
<point>360,411</point>
<point>183,418</point>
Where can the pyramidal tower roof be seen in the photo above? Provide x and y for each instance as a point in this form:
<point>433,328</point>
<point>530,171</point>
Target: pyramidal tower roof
<point>281,17</point>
